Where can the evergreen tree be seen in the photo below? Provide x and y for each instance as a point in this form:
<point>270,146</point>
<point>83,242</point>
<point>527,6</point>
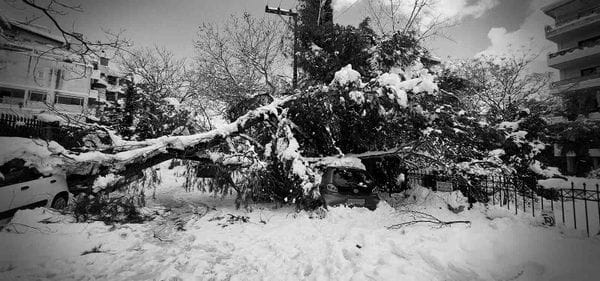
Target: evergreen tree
<point>326,47</point>
<point>315,13</point>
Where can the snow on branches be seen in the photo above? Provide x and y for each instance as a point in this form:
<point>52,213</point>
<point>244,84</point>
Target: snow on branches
<point>288,152</point>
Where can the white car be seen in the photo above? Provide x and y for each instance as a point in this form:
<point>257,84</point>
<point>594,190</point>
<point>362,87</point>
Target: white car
<point>24,187</point>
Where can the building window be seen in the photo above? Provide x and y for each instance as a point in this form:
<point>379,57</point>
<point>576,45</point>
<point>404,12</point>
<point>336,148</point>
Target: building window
<point>37,96</point>
<point>111,96</point>
<point>39,74</point>
<point>589,42</point>
<point>61,99</point>
<point>590,71</point>
<point>12,96</point>
<point>112,80</point>
<point>104,61</point>
<point>92,102</point>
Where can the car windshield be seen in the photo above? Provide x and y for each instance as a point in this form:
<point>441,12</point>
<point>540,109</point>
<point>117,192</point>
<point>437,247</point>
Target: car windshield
<point>350,178</point>
<point>15,171</point>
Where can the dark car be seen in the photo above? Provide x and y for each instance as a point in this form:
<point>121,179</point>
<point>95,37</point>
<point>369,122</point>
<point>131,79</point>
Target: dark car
<point>348,186</point>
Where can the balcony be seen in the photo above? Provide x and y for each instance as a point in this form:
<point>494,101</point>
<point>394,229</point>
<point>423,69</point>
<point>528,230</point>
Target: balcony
<point>576,83</point>
<point>115,88</point>
<point>575,25</point>
<point>576,57</point>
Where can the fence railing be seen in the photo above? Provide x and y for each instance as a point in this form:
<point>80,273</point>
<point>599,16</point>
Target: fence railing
<point>576,207</point>
<point>19,126</point>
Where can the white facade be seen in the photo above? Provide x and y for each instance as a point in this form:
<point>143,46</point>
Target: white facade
<point>38,75</point>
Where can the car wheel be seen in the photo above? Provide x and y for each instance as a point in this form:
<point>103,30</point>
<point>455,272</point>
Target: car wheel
<point>59,202</point>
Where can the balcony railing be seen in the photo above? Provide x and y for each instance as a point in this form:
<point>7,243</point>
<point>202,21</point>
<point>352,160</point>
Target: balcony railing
<point>579,19</point>
<point>569,50</point>
<point>574,80</point>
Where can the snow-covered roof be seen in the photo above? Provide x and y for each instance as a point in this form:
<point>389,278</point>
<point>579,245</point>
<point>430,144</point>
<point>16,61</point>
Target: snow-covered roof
<point>345,76</point>
<point>332,161</point>
<point>37,153</point>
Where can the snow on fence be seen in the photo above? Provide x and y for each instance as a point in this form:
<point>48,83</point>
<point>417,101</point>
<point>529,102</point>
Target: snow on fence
<point>18,126</point>
<point>577,207</point>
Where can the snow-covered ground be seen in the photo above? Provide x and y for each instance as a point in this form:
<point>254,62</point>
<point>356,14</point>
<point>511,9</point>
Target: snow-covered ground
<point>280,244</point>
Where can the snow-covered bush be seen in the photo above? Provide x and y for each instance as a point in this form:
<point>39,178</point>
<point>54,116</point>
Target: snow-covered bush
<point>525,144</point>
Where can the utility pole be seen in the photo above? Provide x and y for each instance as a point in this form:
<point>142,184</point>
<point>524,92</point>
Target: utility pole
<point>294,15</point>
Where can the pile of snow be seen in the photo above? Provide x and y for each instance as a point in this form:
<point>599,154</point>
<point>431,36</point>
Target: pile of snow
<point>397,87</point>
<point>40,154</point>
<point>497,153</point>
<point>417,81</point>
<point>346,76</point>
<point>427,84</point>
<point>506,125</point>
<point>536,167</point>
<point>172,101</point>
<point>35,216</point>
<point>425,198</point>
<point>518,137</point>
<point>357,96</point>
<point>280,244</point>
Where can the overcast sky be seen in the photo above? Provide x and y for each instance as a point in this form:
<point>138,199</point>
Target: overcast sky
<point>488,26</point>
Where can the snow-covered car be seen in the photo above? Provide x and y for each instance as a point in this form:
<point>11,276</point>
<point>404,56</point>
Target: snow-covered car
<point>350,186</point>
<point>23,187</point>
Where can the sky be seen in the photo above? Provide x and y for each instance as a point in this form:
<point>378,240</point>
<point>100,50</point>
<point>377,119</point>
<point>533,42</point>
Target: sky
<point>480,26</point>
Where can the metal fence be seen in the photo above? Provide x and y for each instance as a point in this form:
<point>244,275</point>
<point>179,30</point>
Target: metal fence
<point>19,126</point>
<point>576,207</point>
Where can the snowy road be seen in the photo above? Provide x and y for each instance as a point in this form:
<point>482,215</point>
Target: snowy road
<point>349,244</point>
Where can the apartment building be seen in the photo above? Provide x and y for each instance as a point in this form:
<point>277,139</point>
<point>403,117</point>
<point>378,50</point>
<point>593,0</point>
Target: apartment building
<point>576,32</point>
<point>38,74</point>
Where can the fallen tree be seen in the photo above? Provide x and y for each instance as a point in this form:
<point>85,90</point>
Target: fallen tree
<point>400,114</point>
<point>130,158</point>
